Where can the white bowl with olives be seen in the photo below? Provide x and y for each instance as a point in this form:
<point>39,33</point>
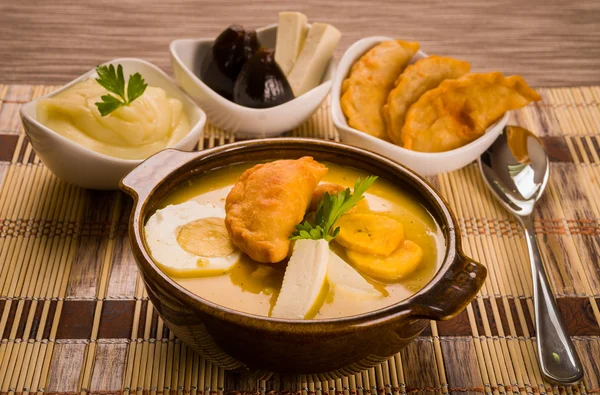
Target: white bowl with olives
<point>190,59</point>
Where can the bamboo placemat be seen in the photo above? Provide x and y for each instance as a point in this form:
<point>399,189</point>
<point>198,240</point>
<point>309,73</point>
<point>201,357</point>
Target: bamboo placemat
<point>74,316</point>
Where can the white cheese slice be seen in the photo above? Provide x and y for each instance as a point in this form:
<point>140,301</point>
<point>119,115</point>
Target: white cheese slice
<point>343,276</point>
<point>318,48</point>
<point>303,279</point>
<point>291,33</point>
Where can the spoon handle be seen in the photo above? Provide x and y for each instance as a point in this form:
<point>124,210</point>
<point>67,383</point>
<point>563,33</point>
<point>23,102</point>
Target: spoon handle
<point>558,359</point>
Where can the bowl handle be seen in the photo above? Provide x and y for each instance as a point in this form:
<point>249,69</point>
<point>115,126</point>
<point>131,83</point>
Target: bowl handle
<point>142,180</point>
<point>453,292</point>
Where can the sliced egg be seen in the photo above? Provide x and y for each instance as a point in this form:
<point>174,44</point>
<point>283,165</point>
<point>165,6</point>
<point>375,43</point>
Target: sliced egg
<point>190,239</point>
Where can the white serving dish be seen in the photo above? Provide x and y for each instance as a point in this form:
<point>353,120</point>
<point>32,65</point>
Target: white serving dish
<point>424,163</point>
<point>186,57</point>
<point>83,167</point>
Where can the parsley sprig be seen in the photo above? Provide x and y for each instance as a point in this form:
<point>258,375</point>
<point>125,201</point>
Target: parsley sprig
<point>332,207</point>
<point>113,81</point>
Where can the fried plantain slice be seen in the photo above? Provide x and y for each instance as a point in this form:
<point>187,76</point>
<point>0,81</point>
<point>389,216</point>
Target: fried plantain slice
<point>394,267</point>
<point>370,233</point>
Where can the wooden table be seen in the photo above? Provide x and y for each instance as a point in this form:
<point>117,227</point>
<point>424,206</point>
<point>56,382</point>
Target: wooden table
<point>549,42</point>
<point>74,316</point>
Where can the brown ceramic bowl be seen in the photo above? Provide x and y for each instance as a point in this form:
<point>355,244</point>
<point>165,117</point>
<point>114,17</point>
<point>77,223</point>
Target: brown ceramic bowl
<point>259,345</point>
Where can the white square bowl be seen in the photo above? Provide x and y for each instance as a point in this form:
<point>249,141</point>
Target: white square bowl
<point>424,163</point>
<point>86,168</point>
<point>187,56</point>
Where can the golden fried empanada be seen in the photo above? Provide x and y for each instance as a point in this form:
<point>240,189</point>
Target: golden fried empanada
<point>415,80</point>
<point>371,78</point>
<point>266,204</point>
<point>459,111</point>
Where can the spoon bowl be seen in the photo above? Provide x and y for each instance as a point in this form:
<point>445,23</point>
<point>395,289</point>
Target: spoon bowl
<point>516,168</point>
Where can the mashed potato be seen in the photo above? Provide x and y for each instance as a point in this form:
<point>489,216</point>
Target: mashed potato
<point>149,124</point>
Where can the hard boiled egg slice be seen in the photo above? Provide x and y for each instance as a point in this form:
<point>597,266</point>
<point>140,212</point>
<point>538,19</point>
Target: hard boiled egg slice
<point>190,239</point>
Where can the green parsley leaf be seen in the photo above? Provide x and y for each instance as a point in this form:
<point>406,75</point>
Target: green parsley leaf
<point>136,86</point>
<point>113,81</point>
<point>330,209</point>
<point>110,80</point>
<point>108,104</point>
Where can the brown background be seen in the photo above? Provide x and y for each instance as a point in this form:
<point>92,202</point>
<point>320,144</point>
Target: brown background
<point>549,42</point>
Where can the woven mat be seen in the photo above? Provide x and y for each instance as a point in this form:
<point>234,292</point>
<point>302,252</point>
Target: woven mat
<point>74,315</point>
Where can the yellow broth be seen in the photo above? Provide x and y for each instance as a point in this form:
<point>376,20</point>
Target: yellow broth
<point>253,287</point>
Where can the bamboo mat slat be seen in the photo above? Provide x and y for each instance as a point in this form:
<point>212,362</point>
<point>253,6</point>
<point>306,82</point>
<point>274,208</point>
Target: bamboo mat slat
<point>75,318</point>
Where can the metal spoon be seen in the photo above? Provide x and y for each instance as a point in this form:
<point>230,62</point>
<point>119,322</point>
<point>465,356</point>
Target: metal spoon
<point>516,169</point>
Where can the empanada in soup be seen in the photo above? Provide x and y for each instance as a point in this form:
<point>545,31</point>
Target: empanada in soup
<point>418,78</point>
<point>267,202</point>
<point>371,78</point>
<point>459,111</point>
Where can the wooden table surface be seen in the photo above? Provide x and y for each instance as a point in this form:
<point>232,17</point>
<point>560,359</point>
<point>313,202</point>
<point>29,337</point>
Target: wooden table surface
<point>549,42</point>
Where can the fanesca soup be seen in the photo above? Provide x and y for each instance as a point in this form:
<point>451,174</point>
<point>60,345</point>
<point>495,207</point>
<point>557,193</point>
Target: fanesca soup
<point>295,239</point>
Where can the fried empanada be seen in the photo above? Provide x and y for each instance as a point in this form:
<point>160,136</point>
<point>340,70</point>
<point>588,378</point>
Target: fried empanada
<point>266,204</point>
<point>371,78</point>
<point>459,111</point>
<point>418,78</point>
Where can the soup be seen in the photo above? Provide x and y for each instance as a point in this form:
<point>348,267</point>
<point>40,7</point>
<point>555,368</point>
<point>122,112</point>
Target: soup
<point>254,287</point>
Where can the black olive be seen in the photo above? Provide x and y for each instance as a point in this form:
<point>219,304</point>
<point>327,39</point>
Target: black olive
<point>212,76</point>
<point>231,49</point>
<point>261,83</point>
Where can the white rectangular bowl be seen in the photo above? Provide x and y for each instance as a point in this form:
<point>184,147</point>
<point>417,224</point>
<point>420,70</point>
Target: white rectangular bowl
<point>424,163</point>
<point>187,56</point>
<point>85,168</point>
